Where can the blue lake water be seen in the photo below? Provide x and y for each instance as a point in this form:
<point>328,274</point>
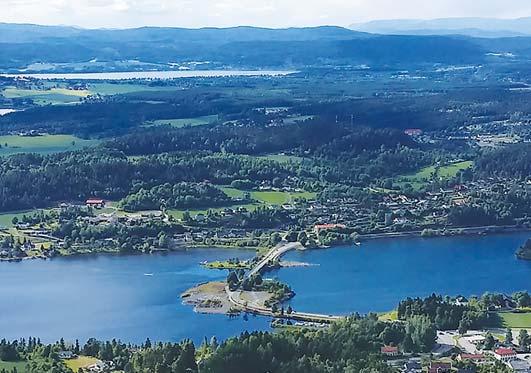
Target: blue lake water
<point>112,297</point>
<point>378,274</point>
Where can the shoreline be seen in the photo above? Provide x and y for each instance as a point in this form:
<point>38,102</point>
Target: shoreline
<point>436,233</point>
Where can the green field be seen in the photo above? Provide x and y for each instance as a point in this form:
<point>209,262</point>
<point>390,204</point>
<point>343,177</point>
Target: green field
<point>7,217</point>
<point>179,123</point>
<point>269,197</point>
<point>8,366</point>
<point>53,96</point>
<point>421,178</point>
<point>515,320</point>
<point>80,362</point>
<point>45,144</point>
<point>388,316</point>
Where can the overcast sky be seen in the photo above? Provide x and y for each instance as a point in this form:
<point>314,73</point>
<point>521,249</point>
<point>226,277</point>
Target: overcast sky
<point>267,13</point>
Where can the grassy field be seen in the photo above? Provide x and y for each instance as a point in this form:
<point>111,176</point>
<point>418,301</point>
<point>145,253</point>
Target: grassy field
<point>179,123</point>
<point>80,362</point>
<point>45,144</point>
<point>420,179</point>
<point>7,217</point>
<point>8,366</point>
<point>53,96</point>
<point>269,197</point>
<point>515,320</point>
<point>388,316</point>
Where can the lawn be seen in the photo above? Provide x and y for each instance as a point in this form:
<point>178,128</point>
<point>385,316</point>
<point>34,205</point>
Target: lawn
<point>8,366</point>
<point>80,362</point>
<point>269,197</point>
<point>52,96</point>
<point>515,320</point>
<point>179,123</point>
<point>7,217</point>
<point>388,316</point>
<point>45,144</point>
<point>420,179</point>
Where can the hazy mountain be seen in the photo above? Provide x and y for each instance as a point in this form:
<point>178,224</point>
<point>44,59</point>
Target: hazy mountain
<point>238,47</point>
<point>478,27</point>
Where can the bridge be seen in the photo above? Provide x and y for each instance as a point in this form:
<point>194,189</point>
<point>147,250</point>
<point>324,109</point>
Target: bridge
<point>235,297</point>
<point>272,255</point>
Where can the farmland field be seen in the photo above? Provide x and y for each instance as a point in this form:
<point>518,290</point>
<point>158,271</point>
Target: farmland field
<point>516,320</point>
<point>52,96</point>
<point>45,144</point>
<point>420,179</point>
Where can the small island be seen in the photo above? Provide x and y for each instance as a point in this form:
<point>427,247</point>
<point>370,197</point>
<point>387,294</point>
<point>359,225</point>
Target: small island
<point>524,252</point>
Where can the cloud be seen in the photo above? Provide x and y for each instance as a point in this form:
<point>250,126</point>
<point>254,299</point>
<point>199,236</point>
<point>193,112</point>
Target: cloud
<point>270,13</point>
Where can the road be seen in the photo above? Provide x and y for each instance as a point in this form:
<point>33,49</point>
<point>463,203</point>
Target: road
<point>274,254</point>
<point>254,306</point>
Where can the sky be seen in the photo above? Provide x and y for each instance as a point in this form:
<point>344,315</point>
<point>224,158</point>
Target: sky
<point>266,13</point>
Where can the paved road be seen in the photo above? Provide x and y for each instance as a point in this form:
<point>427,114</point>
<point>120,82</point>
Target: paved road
<point>254,307</point>
<point>274,254</point>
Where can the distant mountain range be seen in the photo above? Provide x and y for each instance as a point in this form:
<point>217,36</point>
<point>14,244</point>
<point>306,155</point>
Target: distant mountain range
<point>477,27</point>
<point>57,48</point>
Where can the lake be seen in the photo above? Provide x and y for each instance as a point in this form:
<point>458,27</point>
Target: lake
<point>127,297</point>
<point>134,297</point>
<point>151,74</point>
<point>378,274</point>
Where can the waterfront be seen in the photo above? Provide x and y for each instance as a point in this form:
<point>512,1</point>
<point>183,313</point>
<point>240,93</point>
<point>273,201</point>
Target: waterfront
<point>134,297</point>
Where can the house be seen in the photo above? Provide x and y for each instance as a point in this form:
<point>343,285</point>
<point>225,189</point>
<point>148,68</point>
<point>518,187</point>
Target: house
<point>520,366</point>
<point>95,202</point>
<point>65,355</point>
<point>505,354</point>
<point>319,227</point>
<point>475,358</point>
<point>412,366</point>
<point>389,351</point>
<point>440,367</point>
<point>100,366</point>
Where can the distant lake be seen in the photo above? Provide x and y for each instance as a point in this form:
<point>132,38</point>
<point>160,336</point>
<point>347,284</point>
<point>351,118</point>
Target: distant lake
<point>152,74</point>
<point>378,274</point>
<point>134,297</point>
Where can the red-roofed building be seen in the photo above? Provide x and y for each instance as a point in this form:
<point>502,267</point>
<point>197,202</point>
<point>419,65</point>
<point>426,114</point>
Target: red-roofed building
<point>476,358</point>
<point>389,351</point>
<point>95,202</point>
<point>505,354</point>
<point>439,367</point>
